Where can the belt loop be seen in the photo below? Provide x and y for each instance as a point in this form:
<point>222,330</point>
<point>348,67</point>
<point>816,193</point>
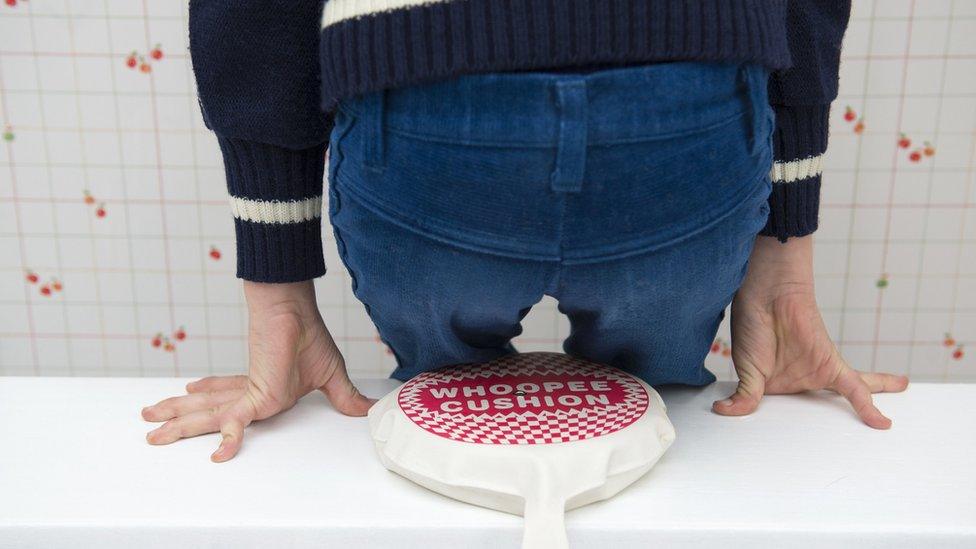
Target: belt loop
<point>756,83</point>
<point>373,149</point>
<point>567,176</point>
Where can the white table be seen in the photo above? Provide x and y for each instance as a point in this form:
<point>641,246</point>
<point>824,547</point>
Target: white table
<point>75,471</point>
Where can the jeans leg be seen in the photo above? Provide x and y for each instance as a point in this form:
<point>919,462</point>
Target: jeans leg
<point>655,315</point>
<point>434,305</point>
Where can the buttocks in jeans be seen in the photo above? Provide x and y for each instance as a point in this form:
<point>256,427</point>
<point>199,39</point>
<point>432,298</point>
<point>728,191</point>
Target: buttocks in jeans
<point>632,196</point>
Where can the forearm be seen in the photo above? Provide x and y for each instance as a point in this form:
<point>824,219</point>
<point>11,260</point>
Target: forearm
<point>257,72</point>
<point>801,98</point>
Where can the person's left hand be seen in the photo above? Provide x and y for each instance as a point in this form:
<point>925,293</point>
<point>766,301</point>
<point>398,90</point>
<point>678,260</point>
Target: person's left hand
<point>780,344</point>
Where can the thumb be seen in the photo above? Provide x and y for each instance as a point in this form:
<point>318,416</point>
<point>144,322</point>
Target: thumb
<point>343,395</point>
<point>232,423</point>
<point>747,394</point>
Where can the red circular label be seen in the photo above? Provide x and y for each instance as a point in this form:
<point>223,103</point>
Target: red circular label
<point>533,398</point>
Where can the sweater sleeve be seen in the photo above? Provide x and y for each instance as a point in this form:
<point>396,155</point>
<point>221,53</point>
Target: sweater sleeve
<point>801,97</point>
<point>258,82</point>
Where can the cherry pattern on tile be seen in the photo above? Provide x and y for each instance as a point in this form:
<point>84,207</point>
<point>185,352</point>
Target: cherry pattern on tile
<point>143,62</point>
<point>99,208</point>
<point>46,286</point>
<point>917,154</point>
<point>949,342</point>
<point>721,347</point>
<point>378,339</point>
<point>851,117</point>
<point>168,343</point>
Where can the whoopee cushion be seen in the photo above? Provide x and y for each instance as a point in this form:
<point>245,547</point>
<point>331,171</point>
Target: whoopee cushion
<point>531,434</point>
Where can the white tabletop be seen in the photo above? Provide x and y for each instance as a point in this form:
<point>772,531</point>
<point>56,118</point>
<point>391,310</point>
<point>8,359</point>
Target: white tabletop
<point>75,471</point>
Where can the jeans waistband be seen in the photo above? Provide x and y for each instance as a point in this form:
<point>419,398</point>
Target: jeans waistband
<point>530,108</point>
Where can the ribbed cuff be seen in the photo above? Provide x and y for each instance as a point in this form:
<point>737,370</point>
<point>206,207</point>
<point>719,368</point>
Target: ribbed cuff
<point>799,142</point>
<point>793,209</point>
<point>279,253</point>
<point>276,200</point>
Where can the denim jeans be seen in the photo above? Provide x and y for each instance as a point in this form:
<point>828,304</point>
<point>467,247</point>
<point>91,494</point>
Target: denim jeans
<point>632,196</point>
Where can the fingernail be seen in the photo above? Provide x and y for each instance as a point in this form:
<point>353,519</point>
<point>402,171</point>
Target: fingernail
<point>727,402</point>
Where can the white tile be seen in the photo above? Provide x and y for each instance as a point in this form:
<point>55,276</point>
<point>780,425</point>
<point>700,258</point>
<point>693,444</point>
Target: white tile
<point>944,224</point>
<point>152,287</point>
<point>907,223</point>
<point>858,327</point>
<point>16,356</point>
<point>933,8</point>
<point>890,37</point>
<point>919,114</point>
<point>929,35</point>
<point>123,356</point>
<point>14,319</point>
<point>54,354</point>
<point>911,186</point>
<point>903,257</point>
<point>885,76</point>
<point>90,35</point>
<point>40,252</point>
<point>924,76</point>
<point>857,40</point>
<point>121,319</point>
<point>15,34</point>
<point>960,76</point>
<point>869,222</point>
<point>55,73</point>
<point>98,112</point>
<point>961,36</point>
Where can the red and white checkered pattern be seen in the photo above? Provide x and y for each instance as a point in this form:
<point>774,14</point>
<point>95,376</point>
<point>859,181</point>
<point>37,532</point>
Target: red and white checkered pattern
<point>545,427</point>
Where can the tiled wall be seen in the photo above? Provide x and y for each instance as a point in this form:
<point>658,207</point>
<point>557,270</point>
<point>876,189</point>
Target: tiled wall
<point>112,197</point>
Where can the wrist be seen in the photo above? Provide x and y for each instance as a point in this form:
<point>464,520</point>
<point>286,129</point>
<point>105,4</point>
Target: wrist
<point>780,268</point>
<point>793,258</point>
<point>290,297</point>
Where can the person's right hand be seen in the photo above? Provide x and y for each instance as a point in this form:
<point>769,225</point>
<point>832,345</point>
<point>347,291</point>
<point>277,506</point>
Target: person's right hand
<point>291,354</point>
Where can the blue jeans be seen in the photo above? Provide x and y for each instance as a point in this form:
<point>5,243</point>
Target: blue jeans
<point>632,196</point>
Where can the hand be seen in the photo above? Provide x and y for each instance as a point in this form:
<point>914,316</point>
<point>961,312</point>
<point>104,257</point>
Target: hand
<point>291,354</point>
<point>780,344</point>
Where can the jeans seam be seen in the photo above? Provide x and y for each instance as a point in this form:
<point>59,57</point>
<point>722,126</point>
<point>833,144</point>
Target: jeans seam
<point>511,143</point>
<point>682,236</point>
<point>340,241</point>
<point>403,223</point>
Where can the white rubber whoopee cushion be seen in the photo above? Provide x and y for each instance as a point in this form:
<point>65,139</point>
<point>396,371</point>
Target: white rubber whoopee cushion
<point>531,434</point>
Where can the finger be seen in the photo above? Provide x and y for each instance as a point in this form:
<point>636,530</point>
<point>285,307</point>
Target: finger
<point>217,383</point>
<point>850,384</point>
<point>232,430</point>
<point>884,383</point>
<point>747,394</point>
<point>190,425</point>
<point>186,404</point>
<point>344,396</point>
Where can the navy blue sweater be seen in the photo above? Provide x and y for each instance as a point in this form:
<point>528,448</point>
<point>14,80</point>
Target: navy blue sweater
<point>270,73</point>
